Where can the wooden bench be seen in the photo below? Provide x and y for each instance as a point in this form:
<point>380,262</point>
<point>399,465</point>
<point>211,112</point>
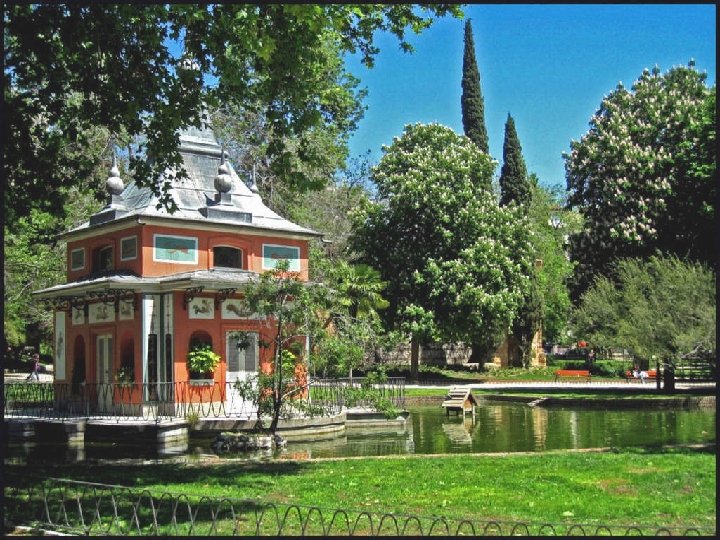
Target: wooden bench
<point>577,373</point>
<point>651,375</point>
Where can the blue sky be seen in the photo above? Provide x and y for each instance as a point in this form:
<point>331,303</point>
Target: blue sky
<point>549,66</point>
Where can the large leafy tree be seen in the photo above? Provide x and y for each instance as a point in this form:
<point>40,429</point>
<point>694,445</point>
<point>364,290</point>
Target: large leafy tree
<point>34,259</point>
<point>155,68</point>
<point>471,101</point>
<point>550,224</point>
<point>514,182</point>
<point>339,319</point>
<point>643,176</point>
<point>329,210</point>
<point>288,308</point>
<point>311,157</point>
<point>456,263</point>
<point>660,306</point>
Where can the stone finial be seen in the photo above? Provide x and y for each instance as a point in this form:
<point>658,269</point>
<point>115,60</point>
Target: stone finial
<point>116,206</point>
<point>223,180</point>
<point>114,184</point>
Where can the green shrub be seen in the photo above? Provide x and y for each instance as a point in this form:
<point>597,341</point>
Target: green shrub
<point>202,359</point>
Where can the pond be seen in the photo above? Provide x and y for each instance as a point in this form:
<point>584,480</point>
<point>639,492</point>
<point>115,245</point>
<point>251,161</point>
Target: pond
<point>496,427</point>
<point>514,427</point>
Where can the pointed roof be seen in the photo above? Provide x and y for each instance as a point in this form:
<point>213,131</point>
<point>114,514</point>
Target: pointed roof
<point>197,193</point>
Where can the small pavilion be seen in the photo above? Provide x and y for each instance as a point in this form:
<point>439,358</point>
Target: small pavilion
<point>144,286</point>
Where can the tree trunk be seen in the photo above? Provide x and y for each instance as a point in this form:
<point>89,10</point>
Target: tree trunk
<point>669,377</point>
<point>277,406</point>
<point>414,357</point>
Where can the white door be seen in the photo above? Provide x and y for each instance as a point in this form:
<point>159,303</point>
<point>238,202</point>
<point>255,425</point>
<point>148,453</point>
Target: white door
<point>242,365</point>
<point>104,345</point>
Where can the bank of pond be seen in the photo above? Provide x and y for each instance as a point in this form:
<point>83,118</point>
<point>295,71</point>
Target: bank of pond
<point>500,424</point>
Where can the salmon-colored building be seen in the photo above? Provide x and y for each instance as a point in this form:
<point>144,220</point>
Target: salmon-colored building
<point>144,286</point>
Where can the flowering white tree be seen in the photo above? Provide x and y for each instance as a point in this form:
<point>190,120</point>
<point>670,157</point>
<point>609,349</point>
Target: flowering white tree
<point>643,175</point>
<point>456,263</point>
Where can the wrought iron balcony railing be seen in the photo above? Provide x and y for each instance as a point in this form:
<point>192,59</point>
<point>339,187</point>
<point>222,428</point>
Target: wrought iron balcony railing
<point>168,401</point>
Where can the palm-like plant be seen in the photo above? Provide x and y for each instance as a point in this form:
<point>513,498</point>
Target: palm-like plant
<point>359,289</point>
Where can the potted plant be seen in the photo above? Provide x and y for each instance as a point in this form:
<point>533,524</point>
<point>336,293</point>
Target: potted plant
<point>202,361</point>
<point>125,376</point>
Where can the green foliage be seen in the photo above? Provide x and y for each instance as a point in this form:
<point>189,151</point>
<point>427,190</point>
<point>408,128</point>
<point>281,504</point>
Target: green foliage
<point>643,176</point>
<point>471,101</point>
<point>192,418</point>
<point>456,264</point>
<point>661,307</point>
<point>337,356</point>
<point>287,165</point>
<point>202,359</point>
<point>329,211</point>
<point>368,395</point>
<point>529,318</point>
<point>288,307</point>
<point>550,223</point>
<point>34,259</point>
<point>117,60</point>
<point>514,184</point>
<point>352,328</point>
<point>339,317</point>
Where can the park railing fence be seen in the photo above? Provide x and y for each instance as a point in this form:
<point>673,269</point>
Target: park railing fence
<point>168,401</point>
<point>85,508</point>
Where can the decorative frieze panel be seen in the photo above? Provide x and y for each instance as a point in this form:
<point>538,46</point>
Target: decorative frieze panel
<point>101,312</point>
<point>126,311</point>
<point>234,309</point>
<point>201,308</point>
<point>78,316</point>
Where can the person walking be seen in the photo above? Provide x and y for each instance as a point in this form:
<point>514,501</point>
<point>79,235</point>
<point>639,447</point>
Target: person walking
<point>35,373</point>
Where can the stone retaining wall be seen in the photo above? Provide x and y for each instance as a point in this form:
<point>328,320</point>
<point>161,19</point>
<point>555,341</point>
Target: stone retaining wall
<point>432,354</point>
<point>679,402</point>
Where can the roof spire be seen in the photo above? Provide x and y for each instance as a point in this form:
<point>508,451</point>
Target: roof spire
<point>114,184</point>
<point>223,180</point>
<point>253,185</point>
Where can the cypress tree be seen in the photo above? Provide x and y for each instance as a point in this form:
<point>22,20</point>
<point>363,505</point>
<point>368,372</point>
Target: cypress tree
<point>514,183</point>
<point>471,102</point>
<point>515,186</point>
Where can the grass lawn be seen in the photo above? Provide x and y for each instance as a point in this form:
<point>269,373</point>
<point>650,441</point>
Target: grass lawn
<point>670,488</point>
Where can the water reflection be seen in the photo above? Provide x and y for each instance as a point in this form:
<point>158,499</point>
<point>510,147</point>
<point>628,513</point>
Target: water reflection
<point>519,428</point>
<point>496,427</point>
<point>510,427</point>
<point>37,453</point>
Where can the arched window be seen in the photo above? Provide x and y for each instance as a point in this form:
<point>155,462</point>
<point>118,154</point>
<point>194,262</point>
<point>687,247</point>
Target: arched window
<point>102,259</point>
<point>227,257</point>
<point>200,337</point>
